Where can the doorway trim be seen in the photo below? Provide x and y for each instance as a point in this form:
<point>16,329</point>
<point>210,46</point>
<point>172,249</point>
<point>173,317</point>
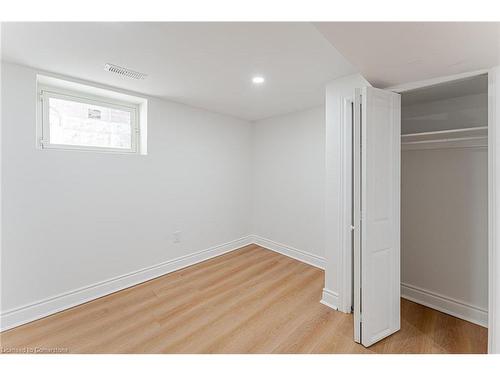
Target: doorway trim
<point>493,208</point>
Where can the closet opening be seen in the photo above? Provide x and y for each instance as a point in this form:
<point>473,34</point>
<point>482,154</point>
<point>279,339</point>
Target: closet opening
<point>444,207</point>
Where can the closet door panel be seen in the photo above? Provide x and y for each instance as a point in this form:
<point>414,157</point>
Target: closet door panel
<point>379,253</point>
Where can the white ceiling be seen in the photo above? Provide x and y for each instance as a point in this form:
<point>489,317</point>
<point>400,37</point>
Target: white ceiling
<point>388,54</point>
<point>208,65</point>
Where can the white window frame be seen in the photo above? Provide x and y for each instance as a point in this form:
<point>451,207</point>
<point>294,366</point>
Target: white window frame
<point>47,92</point>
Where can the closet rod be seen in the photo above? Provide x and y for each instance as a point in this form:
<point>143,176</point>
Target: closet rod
<point>450,131</point>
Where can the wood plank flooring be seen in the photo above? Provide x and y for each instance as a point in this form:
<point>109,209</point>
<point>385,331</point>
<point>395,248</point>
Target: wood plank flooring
<point>251,300</point>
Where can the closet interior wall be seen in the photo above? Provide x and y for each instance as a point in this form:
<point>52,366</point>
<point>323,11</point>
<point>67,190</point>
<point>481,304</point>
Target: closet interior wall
<point>444,198</point>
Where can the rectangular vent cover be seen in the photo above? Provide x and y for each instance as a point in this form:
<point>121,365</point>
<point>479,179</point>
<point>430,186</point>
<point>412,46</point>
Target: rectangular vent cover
<point>124,71</point>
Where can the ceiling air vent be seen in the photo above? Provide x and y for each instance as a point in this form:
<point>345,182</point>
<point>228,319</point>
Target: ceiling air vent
<point>124,71</point>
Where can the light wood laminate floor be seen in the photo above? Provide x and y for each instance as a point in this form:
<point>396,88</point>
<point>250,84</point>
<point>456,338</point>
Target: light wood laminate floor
<point>251,300</point>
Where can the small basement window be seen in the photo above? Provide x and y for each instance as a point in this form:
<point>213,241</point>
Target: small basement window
<point>79,120</point>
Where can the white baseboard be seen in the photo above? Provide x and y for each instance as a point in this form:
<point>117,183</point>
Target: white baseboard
<point>291,252</point>
<point>445,304</point>
<point>25,314</point>
<point>330,299</point>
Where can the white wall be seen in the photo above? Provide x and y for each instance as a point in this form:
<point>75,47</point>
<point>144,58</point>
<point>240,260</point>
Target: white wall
<point>454,113</point>
<point>289,182</point>
<point>71,219</point>
<point>444,229</point>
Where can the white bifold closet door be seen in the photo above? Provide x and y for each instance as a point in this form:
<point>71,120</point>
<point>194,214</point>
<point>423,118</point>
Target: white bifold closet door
<point>377,155</point>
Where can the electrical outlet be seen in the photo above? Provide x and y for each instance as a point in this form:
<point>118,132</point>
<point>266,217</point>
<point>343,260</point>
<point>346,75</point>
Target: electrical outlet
<point>176,237</point>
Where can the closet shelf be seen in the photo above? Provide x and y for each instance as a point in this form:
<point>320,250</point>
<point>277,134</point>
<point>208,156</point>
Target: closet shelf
<point>453,138</point>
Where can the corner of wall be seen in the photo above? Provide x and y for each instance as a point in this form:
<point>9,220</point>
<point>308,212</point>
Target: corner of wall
<point>330,299</point>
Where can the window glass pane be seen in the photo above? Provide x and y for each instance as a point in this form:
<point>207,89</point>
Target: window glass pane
<point>81,124</point>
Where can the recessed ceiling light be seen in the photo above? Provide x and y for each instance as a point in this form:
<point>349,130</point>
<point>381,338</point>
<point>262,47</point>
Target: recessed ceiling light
<point>258,80</point>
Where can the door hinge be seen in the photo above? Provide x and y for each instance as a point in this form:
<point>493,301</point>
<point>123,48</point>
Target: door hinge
<point>42,142</point>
